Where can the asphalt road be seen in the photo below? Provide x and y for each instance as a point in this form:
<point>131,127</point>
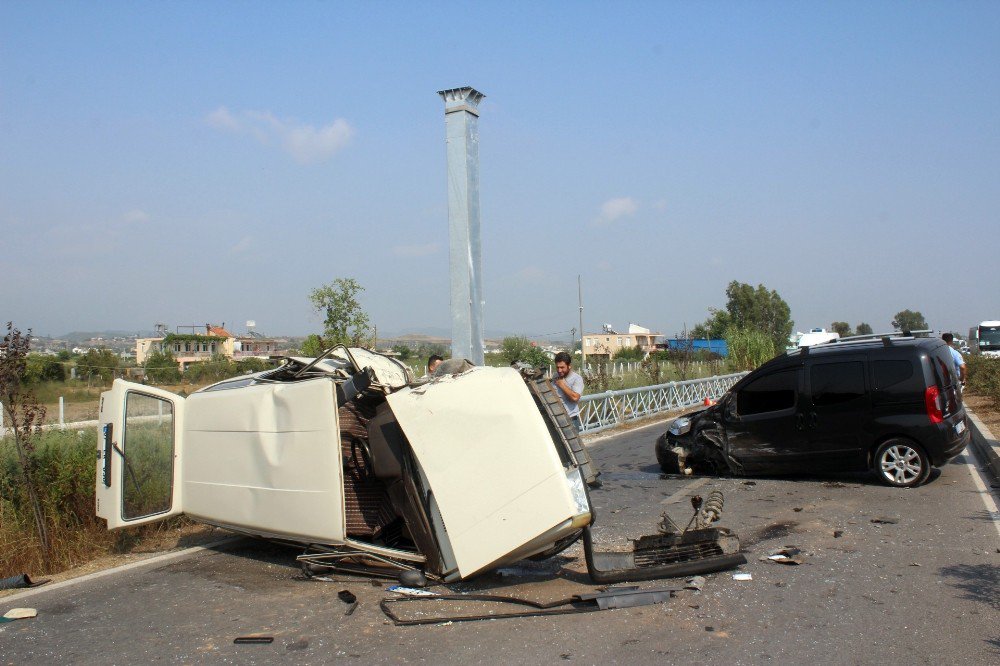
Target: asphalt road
<point>921,585</point>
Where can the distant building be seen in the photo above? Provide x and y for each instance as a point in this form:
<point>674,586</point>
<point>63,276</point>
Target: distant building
<point>608,342</point>
<point>196,347</point>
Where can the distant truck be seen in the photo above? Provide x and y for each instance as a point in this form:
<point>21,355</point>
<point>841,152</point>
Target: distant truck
<point>985,338</point>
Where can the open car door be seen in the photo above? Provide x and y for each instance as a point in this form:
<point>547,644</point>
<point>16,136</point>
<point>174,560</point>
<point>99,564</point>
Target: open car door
<point>139,455</point>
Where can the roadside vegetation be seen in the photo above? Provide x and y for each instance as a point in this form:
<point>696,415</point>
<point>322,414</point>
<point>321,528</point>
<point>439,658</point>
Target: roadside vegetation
<point>983,378</point>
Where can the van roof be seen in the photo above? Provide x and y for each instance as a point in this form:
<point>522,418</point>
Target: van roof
<point>846,346</point>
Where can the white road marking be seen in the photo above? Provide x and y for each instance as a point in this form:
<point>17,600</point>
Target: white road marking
<point>149,561</point>
<point>683,492</point>
<point>984,493</point>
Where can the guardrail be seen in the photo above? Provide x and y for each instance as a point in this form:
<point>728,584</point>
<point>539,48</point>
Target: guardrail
<point>605,410</point>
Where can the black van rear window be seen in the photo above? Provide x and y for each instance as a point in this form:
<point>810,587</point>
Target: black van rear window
<point>890,373</point>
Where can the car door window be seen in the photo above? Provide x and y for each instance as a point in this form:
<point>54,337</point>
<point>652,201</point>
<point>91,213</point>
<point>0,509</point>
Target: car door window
<point>148,448</point>
<point>770,393</point>
<point>836,383</point>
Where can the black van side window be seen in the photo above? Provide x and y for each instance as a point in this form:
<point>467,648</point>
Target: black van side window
<point>836,383</point>
<point>889,373</point>
<point>770,393</point>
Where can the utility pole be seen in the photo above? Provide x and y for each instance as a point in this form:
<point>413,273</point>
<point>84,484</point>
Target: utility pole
<point>583,351</point>
<point>461,117</point>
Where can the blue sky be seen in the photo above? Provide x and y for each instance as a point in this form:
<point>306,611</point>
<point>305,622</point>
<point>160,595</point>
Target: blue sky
<point>191,162</point>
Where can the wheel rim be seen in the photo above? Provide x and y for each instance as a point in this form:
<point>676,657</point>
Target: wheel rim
<point>901,464</point>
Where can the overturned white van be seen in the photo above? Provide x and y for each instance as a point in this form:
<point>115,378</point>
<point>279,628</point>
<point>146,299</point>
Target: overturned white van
<point>368,469</point>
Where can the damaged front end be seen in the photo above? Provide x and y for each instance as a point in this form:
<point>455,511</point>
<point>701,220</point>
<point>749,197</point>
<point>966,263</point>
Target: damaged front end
<point>696,444</point>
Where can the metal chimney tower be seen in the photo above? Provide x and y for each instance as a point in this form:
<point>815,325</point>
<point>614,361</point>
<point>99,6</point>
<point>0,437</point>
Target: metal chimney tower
<point>461,117</point>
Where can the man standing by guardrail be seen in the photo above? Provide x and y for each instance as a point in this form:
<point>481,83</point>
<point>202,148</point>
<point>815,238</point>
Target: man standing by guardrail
<point>569,386</point>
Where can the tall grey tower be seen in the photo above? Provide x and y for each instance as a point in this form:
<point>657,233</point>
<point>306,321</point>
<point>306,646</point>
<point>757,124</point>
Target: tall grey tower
<point>461,118</point>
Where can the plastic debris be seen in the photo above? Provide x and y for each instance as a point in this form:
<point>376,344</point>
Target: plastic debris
<point>694,583</point>
<point>20,613</point>
<point>786,556</point>
<point>742,576</point>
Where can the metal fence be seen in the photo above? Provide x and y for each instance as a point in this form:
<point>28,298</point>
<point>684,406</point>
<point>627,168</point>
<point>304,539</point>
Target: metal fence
<point>605,410</point>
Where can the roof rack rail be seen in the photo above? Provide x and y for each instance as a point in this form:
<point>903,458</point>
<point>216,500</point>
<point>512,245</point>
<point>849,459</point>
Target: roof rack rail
<point>885,337</point>
<point>893,334</point>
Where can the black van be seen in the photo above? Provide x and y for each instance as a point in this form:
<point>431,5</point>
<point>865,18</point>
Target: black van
<point>892,405</point>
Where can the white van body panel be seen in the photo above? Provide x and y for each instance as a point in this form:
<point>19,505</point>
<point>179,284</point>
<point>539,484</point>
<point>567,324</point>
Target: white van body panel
<point>266,459</point>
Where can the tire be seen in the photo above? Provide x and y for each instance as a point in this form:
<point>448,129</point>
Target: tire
<point>901,463</point>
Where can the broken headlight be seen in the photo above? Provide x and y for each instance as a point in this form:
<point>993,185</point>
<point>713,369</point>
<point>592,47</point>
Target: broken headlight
<point>681,426</point>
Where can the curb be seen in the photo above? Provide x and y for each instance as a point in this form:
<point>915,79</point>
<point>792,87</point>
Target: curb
<point>986,445</point>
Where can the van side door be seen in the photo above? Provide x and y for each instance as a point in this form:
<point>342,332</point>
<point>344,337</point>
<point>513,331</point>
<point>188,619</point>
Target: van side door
<point>764,429</point>
<point>836,409</point>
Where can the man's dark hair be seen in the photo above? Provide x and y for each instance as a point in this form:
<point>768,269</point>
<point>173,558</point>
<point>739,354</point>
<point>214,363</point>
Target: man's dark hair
<point>434,357</point>
<point>563,357</point>
<point>948,337</point>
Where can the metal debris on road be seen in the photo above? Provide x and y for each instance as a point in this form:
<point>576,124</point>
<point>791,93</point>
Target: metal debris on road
<point>589,602</point>
<point>253,640</point>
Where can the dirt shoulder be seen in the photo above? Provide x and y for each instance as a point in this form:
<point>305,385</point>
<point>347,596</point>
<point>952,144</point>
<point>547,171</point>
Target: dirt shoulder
<point>984,409</point>
<point>159,543</point>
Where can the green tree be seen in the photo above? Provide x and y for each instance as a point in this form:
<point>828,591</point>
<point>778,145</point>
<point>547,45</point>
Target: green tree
<point>629,354</point>
<point>215,369</point>
<point>864,329</point>
<point>39,368</point>
<point>908,320</point>
<point>97,364</point>
<point>161,367</point>
<point>842,328</point>
<point>749,308</point>
<point>313,346</point>
<point>404,351</point>
<point>345,322</point>
<point>714,327</point>
<point>518,348</point>
<point>749,347</point>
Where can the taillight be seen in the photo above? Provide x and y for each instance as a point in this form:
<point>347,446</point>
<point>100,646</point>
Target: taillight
<point>934,412</point>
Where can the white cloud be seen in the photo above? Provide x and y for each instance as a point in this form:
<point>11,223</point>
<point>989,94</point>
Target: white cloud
<point>613,209</point>
<point>305,143</point>
<point>241,246</point>
<point>135,216</point>
<point>416,250</point>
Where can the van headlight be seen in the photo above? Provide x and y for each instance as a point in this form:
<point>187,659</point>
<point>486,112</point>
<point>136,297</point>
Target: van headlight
<point>681,426</point>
